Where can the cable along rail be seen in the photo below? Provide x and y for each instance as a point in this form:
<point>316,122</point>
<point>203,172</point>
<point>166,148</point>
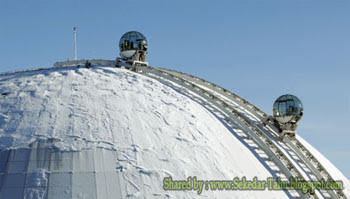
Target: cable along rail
<point>273,152</point>
<point>254,116</point>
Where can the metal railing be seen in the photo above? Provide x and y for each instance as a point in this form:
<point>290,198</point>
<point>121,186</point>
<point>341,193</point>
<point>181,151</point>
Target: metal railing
<point>295,145</point>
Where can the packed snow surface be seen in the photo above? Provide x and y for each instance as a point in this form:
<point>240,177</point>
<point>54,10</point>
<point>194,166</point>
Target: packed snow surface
<point>157,131</point>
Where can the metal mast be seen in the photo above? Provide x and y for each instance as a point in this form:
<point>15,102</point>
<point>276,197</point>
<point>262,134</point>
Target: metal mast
<point>75,44</point>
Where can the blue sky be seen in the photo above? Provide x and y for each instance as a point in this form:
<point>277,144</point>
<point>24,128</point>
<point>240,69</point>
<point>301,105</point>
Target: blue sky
<point>257,49</point>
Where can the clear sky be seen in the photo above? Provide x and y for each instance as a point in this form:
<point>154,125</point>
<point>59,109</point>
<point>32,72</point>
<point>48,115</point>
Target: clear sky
<point>255,48</point>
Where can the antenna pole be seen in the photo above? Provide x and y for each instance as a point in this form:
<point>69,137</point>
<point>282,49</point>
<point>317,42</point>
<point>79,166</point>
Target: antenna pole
<point>75,44</point>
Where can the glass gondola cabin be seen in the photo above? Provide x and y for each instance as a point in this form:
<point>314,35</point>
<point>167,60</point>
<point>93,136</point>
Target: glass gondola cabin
<point>133,48</point>
<point>287,108</point>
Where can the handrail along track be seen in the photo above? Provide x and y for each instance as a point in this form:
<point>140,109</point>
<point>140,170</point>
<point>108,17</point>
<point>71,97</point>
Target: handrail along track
<point>286,166</point>
<point>305,155</point>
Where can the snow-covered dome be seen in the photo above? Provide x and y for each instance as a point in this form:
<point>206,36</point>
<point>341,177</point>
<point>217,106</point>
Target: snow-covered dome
<point>106,132</point>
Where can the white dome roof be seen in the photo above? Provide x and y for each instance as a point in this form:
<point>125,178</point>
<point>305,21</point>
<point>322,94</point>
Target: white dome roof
<point>111,131</point>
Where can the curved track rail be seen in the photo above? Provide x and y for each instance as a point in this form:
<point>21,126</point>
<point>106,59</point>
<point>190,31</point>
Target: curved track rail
<point>254,116</point>
<point>285,165</point>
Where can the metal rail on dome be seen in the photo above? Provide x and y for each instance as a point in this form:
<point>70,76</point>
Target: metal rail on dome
<point>311,161</point>
<point>286,166</point>
<point>302,152</point>
<point>218,88</point>
<point>196,84</point>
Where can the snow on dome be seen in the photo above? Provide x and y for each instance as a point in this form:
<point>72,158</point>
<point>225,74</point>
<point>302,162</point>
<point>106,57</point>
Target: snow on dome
<point>155,131</point>
<point>108,124</point>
